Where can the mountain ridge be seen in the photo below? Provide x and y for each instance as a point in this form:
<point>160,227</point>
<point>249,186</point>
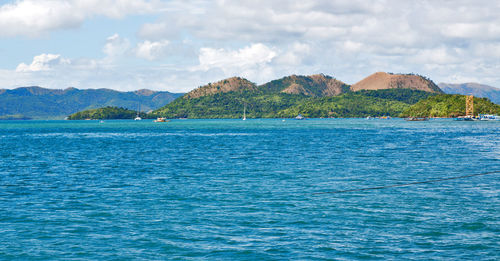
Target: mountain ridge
<point>317,85</point>
<point>290,94</point>
<point>213,98</point>
<point>476,89</point>
<point>43,103</point>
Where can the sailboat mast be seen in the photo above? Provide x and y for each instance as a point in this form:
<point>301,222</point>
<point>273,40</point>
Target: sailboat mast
<point>244,111</point>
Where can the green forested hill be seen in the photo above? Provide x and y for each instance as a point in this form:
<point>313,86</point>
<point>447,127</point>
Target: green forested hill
<point>316,95</point>
<point>312,96</point>
<point>105,113</point>
<point>350,105</point>
<point>276,105</point>
<point>230,105</point>
<point>449,105</point>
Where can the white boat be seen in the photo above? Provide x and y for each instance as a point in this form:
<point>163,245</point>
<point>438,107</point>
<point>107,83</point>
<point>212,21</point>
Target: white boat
<point>299,117</point>
<point>137,117</point>
<point>161,119</point>
<point>465,118</point>
<point>416,119</point>
<point>489,117</point>
<point>244,112</point>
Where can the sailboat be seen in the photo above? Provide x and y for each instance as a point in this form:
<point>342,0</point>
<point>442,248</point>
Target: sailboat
<point>137,117</point>
<point>244,112</point>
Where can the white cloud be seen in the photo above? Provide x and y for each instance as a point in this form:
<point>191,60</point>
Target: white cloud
<point>376,33</point>
<point>437,56</point>
<point>55,71</point>
<point>351,46</point>
<point>43,62</point>
<point>151,50</point>
<point>245,58</point>
<point>35,17</point>
<point>294,56</point>
<point>116,46</point>
<point>208,40</point>
<point>252,62</point>
<point>490,50</point>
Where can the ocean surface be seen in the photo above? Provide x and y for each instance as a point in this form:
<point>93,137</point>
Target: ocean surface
<point>249,190</point>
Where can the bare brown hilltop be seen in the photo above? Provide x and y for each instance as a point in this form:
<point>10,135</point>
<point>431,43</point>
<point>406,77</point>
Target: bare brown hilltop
<point>382,80</point>
<point>317,85</point>
<point>227,85</point>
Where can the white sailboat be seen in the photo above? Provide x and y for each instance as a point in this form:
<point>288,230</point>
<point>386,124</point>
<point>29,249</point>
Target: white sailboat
<point>244,112</point>
<point>137,117</point>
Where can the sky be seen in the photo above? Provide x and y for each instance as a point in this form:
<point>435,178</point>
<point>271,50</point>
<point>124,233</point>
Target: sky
<point>178,45</point>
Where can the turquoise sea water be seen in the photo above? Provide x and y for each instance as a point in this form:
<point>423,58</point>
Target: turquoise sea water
<point>246,190</point>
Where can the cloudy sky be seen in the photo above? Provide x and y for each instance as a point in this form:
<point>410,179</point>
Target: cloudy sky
<point>178,45</point>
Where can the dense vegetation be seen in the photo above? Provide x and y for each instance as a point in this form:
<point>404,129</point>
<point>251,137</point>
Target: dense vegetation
<point>350,105</point>
<point>315,96</point>
<point>230,105</point>
<point>390,102</point>
<point>106,113</point>
<point>449,105</point>
<point>277,105</point>
<point>403,95</point>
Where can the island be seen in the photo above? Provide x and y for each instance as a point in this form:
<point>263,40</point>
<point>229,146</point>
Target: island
<point>315,96</point>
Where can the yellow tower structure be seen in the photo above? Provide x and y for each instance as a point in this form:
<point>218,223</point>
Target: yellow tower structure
<point>469,105</point>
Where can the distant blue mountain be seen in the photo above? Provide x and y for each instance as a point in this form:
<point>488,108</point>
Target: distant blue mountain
<point>476,89</point>
<point>41,103</point>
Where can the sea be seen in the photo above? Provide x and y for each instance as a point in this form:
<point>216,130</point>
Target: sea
<point>260,189</point>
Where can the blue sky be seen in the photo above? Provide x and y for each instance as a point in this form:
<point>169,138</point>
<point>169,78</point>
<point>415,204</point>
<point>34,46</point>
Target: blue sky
<point>179,45</point>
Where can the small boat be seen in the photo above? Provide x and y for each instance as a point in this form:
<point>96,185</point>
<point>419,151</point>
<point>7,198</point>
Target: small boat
<point>137,117</point>
<point>161,119</point>
<point>244,112</point>
<point>465,118</point>
<point>489,117</point>
<point>416,119</point>
<point>299,117</point>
